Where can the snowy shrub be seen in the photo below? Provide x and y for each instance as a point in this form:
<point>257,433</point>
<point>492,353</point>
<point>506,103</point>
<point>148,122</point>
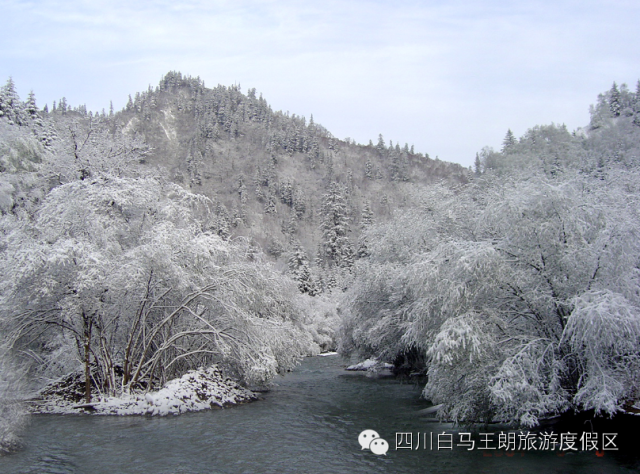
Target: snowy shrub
<point>603,333</point>
<point>461,361</point>
<point>527,310</point>
<point>527,386</point>
<point>321,320</point>
<point>122,273</point>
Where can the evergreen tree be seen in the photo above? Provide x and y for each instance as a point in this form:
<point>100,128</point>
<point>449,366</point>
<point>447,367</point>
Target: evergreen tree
<point>299,267</point>
<point>366,217</point>
<point>335,248</point>
<point>62,105</point>
<point>381,146</point>
<point>50,135</point>
<point>290,226</point>
<point>477,165</point>
<point>30,105</point>
<point>222,222</point>
<point>270,203</point>
<point>614,100</point>
<point>368,170</point>
<point>636,105</point>
<point>10,105</point>
<point>509,142</point>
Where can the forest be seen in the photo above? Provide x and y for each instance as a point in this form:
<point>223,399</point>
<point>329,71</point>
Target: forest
<point>198,228</point>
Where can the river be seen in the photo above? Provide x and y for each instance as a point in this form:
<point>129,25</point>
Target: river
<point>309,423</point>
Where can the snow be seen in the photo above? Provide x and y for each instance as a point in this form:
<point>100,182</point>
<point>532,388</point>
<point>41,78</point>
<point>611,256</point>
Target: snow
<point>371,365</point>
<point>169,132</point>
<point>327,354</point>
<point>197,390</point>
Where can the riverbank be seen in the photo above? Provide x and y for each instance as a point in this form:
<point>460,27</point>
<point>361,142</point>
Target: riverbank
<point>197,390</point>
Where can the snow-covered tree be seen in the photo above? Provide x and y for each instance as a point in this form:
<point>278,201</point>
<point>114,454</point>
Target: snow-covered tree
<point>380,146</point>
<point>299,268</point>
<point>614,100</point>
<point>513,295</point>
<point>117,274</point>
<point>336,248</point>
<point>86,147</point>
<point>509,142</point>
<point>11,108</point>
<point>477,166</point>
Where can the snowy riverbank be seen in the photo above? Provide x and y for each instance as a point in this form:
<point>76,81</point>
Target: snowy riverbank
<point>371,365</point>
<point>197,390</point>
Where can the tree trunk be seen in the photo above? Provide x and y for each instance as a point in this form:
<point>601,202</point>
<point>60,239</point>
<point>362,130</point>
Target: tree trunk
<point>87,356</point>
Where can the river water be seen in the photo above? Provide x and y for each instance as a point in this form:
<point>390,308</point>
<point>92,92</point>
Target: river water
<point>309,423</point>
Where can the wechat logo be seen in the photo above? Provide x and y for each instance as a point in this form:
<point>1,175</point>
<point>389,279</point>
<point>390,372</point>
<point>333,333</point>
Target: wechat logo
<point>371,440</point>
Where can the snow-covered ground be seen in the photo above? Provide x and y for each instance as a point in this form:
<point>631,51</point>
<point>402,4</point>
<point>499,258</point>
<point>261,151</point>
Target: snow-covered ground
<point>327,354</point>
<point>200,389</point>
<point>371,365</point>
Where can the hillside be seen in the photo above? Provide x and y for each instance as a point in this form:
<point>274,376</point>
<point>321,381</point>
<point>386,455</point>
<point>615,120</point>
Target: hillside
<point>268,171</point>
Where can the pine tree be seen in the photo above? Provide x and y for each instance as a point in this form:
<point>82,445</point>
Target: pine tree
<point>368,170</point>
<point>62,105</point>
<point>30,106</point>
<point>363,248</point>
<point>50,135</point>
<point>3,106</point>
<point>10,105</point>
<point>509,142</point>
<point>381,146</point>
<point>299,203</point>
<point>477,165</point>
<point>614,100</point>
<point>222,222</point>
<point>335,247</point>
<point>636,105</point>
<point>270,203</point>
<point>299,267</point>
<point>366,217</point>
<point>290,226</point>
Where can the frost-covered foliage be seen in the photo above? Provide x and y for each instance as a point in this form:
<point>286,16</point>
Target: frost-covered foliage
<point>521,289</point>
<point>20,149</point>
<point>462,358</point>
<point>321,320</point>
<point>88,147</point>
<point>123,274</point>
<point>603,333</point>
<point>196,390</point>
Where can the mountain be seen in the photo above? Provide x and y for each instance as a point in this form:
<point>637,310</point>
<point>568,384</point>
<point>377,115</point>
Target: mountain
<point>268,171</point>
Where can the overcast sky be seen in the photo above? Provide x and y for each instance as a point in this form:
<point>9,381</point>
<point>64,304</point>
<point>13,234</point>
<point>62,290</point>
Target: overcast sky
<point>446,76</point>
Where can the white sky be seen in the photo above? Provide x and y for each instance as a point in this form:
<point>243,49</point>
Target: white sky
<point>446,76</point>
